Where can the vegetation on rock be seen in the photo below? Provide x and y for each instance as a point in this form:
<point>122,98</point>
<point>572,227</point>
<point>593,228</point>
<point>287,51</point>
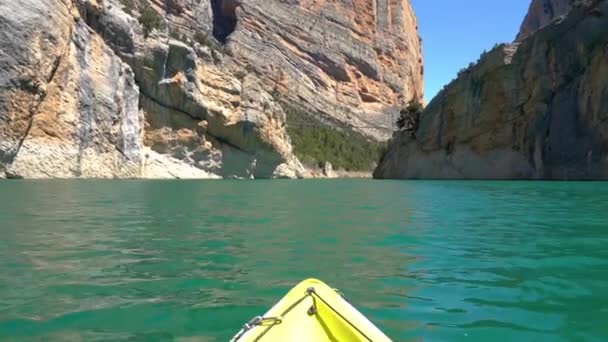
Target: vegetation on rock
<point>409,117</point>
<point>315,143</point>
<point>150,20</point>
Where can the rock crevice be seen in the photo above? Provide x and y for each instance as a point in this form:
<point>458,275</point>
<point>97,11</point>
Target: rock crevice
<point>224,18</point>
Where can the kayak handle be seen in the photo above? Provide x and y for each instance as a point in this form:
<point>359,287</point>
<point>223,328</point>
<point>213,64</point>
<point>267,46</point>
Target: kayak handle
<point>262,321</point>
<point>255,322</point>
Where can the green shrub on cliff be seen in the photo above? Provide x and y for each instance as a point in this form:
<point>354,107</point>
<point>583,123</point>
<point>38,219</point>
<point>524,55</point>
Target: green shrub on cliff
<point>315,142</point>
<point>409,116</point>
<point>150,20</point>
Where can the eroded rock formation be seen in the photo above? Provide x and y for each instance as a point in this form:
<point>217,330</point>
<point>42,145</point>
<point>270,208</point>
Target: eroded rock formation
<point>192,88</point>
<point>88,95</point>
<point>351,60</point>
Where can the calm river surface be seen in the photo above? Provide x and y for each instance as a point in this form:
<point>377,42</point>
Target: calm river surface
<point>193,260</point>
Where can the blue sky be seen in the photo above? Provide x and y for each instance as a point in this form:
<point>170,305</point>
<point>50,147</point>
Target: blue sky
<point>455,33</point>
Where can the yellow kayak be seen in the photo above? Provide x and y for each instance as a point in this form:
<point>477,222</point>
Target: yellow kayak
<point>311,311</point>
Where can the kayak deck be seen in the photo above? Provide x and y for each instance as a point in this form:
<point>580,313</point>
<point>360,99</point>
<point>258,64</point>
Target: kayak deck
<point>311,311</point>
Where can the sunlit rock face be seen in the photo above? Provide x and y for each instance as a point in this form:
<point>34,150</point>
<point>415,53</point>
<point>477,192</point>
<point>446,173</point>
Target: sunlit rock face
<point>350,60</point>
<point>193,88</point>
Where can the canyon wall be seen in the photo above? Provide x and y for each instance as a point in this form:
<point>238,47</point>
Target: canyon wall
<point>535,109</point>
<point>193,88</point>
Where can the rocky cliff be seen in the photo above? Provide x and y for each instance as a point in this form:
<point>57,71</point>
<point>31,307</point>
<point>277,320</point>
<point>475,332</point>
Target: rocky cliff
<point>349,60</point>
<point>192,88</point>
<point>541,13</point>
<point>533,110</point>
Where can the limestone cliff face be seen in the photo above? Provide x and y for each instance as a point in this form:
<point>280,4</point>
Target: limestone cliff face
<point>541,13</point>
<point>350,60</point>
<point>192,88</point>
<point>68,105</point>
<point>86,93</point>
<point>537,110</point>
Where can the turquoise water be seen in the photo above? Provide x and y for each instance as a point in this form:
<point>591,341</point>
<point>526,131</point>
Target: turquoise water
<point>191,261</point>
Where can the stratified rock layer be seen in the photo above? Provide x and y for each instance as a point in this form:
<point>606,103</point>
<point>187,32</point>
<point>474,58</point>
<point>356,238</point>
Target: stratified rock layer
<point>350,60</point>
<point>354,62</point>
<point>193,88</point>
<point>534,111</point>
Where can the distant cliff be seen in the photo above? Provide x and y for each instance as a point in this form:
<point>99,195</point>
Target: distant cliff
<point>536,109</point>
<point>194,88</point>
<point>541,13</point>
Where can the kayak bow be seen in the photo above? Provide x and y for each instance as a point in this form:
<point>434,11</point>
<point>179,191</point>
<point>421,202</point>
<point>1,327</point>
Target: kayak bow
<point>311,311</point>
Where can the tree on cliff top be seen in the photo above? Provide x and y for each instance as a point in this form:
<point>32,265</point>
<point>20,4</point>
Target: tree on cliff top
<point>409,117</point>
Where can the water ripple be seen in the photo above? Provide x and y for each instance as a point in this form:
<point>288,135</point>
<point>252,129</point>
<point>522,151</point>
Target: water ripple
<point>191,261</point>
